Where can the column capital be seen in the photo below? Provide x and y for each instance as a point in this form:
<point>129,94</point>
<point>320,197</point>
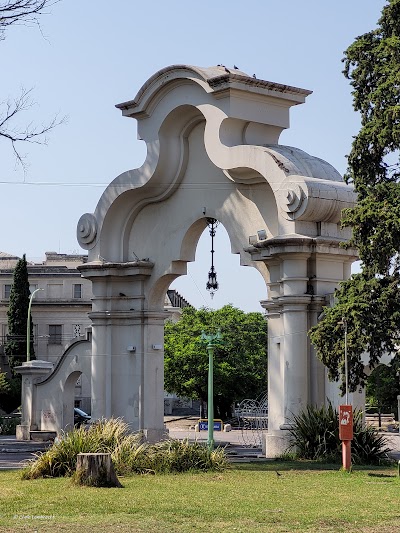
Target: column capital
<point>300,245</point>
<point>101,269</point>
<point>295,302</point>
<point>36,367</point>
<point>272,307</point>
<point>124,316</point>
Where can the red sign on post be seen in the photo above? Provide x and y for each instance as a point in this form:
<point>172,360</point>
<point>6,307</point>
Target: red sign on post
<point>345,422</point>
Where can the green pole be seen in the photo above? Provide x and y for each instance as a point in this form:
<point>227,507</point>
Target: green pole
<point>212,342</point>
<point>28,326</point>
<point>210,402</point>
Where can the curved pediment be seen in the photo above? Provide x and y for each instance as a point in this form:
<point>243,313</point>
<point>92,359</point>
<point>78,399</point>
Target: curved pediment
<point>218,80</point>
<point>237,120</point>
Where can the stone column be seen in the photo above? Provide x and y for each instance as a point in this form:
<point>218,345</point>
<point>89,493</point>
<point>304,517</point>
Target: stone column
<point>303,271</point>
<point>317,369</point>
<point>32,372</point>
<point>151,397</point>
<point>275,405</point>
<point>289,389</point>
<point>127,347</point>
<point>295,357</point>
<point>101,365</point>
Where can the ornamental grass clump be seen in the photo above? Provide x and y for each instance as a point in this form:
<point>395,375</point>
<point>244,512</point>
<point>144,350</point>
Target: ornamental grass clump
<point>130,454</point>
<point>174,456</point>
<point>60,459</point>
<point>315,435</point>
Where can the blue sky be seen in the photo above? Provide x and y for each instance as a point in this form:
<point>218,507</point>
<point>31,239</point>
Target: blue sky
<point>88,56</point>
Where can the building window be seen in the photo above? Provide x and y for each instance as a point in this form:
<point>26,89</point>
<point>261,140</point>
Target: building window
<point>77,290</point>
<point>7,291</point>
<point>55,333</point>
<point>77,330</point>
<point>4,332</point>
<point>54,290</point>
<point>33,288</point>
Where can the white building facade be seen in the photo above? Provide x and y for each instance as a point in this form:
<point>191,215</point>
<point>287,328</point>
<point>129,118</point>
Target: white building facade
<point>59,311</point>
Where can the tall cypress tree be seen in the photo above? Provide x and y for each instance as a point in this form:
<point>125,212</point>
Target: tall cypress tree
<point>370,300</point>
<point>15,347</point>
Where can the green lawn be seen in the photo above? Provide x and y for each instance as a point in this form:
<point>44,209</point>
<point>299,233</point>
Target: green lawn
<point>249,497</point>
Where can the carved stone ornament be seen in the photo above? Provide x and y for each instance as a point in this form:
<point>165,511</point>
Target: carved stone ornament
<point>87,231</point>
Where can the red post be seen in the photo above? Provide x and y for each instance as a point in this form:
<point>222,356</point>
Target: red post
<point>346,434</point>
<point>346,455</point>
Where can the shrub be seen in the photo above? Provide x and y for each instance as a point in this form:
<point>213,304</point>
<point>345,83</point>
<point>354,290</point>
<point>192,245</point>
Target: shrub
<point>315,435</point>
<point>368,446</point>
<point>129,453</point>
<point>8,425</point>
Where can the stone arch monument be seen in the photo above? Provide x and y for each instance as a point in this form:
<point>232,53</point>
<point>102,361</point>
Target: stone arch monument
<point>212,138</point>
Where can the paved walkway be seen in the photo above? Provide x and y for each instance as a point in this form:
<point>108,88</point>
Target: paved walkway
<point>247,442</point>
<point>15,453</point>
<point>242,445</point>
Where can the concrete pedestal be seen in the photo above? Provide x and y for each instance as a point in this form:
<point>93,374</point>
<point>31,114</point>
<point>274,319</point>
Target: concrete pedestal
<point>32,372</point>
<point>275,443</point>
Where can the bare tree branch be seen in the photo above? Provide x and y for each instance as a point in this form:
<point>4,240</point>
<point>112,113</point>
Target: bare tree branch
<point>21,12</point>
<point>30,133</point>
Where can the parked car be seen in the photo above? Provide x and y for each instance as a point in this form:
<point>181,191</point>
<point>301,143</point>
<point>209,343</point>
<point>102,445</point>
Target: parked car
<point>80,417</point>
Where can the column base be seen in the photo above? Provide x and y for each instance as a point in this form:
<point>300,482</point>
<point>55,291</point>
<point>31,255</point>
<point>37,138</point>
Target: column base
<point>275,444</point>
<point>23,432</point>
<point>155,435</point>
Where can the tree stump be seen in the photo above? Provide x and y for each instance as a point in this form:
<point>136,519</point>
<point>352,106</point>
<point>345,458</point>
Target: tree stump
<point>95,470</point>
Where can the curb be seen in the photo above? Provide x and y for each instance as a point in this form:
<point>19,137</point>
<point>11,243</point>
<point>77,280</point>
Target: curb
<point>22,450</point>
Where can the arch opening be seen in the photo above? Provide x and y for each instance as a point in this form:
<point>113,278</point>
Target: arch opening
<point>242,286</point>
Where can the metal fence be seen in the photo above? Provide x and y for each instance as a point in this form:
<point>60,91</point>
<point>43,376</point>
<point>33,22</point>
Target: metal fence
<point>251,417</point>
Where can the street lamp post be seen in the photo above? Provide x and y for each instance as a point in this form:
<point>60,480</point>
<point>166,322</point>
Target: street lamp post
<point>346,366</point>
<point>212,342</point>
<point>28,326</point>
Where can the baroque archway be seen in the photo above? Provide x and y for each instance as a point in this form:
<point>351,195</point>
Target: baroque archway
<point>212,138</point>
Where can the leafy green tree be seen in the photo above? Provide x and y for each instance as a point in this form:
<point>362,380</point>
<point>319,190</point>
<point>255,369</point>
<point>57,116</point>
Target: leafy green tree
<point>15,347</point>
<point>4,385</point>
<point>370,300</point>
<point>383,386</point>
<point>240,364</point>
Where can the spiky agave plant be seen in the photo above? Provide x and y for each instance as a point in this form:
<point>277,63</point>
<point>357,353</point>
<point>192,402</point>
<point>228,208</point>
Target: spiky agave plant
<point>368,445</point>
<point>315,435</point>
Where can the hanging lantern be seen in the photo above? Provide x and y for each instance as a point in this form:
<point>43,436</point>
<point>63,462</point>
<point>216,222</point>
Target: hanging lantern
<point>212,283</point>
